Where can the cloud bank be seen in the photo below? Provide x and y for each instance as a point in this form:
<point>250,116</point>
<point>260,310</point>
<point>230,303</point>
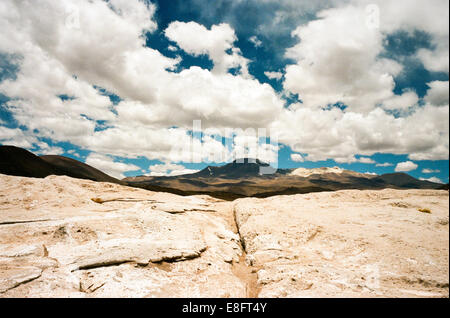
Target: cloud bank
<point>70,64</point>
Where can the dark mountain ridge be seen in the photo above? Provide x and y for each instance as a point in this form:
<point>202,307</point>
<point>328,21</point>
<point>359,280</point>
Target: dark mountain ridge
<point>238,179</point>
<point>239,168</point>
<point>20,162</point>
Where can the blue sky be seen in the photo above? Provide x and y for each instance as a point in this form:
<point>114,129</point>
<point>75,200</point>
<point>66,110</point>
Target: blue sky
<point>118,84</point>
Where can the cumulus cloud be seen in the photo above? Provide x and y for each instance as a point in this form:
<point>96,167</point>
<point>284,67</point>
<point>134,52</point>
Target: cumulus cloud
<point>437,60</point>
<point>386,164</point>
<point>107,165</point>
<point>352,159</point>
<point>256,42</point>
<point>432,179</point>
<point>16,137</point>
<point>337,61</point>
<point>45,149</point>
<point>406,166</point>
<point>246,145</point>
<point>169,169</point>
<point>279,17</point>
<point>297,157</point>
<point>274,75</point>
<point>339,135</point>
<point>107,50</point>
<point>195,39</point>
<point>430,171</point>
<point>438,93</point>
<point>401,102</point>
<point>218,100</point>
<point>74,153</point>
<point>60,59</point>
<point>365,160</point>
<point>411,15</point>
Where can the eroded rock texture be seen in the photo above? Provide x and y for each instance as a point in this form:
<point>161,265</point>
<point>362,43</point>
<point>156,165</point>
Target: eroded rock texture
<point>55,241</point>
<point>348,243</point>
<point>64,237</point>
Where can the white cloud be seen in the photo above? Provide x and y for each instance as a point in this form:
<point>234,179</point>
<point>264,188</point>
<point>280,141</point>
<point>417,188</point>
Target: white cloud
<point>411,15</point>
<point>438,94</point>
<point>432,179</point>
<point>337,57</point>
<point>430,171</point>
<point>107,165</point>
<point>16,137</point>
<point>197,40</point>
<point>274,75</point>
<point>337,61</point>
<point>339,135</point>
<point>247,145</point>
<point>401,102</point>
<point>435,60</point>
<point>73,152</point>
<point>406,166</point>
<point>297,157</point>
<point>102,51</point>
<point>352,159</point>
<point>365,160</point>
<point>256,42</point>
<point>386,164</point>
<point>24,139</point>
<point>288,15</point>
<point>45,149</point>
<point>169,169</point>
<point>108,50</point>
<point>218,100</point>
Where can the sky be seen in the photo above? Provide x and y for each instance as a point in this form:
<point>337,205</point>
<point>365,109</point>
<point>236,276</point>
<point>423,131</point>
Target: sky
<point>169,87</point>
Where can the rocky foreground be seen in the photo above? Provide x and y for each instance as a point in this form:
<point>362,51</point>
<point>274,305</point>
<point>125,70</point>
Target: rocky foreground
<point>65,237</point>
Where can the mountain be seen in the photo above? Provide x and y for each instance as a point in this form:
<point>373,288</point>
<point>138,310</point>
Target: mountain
<point>240,168</point>
<point>20,162</point>
<point>404,180</point>
<point>77,169</point>
<point>243,178</point>
<point>238,179</point>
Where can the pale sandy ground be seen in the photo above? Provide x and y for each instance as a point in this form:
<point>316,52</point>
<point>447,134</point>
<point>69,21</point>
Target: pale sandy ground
<point>55,241</point>
<point>349,243</point>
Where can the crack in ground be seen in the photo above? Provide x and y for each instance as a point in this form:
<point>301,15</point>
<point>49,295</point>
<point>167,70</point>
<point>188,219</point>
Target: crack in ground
<point>21,283</point>
<point>25,221</point>
<point>167,259</point>
<point>101,201</point>
<point>246,273</point>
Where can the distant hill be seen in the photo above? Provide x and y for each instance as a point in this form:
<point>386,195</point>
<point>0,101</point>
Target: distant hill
<point>238,179</point>
<point>77,169</point>
<point>243,178</point>
<point>239,168</point>
<point>404,180</point>
<point>20,162</point>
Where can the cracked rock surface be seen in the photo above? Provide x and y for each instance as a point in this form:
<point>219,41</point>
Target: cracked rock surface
<point>55,241</point>
<point>65,237</point>
<point>348,243</point>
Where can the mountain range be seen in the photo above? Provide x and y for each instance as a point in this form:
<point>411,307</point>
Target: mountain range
<point>240,178</point>
<point>20,162</point>
<point>243,178</point>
